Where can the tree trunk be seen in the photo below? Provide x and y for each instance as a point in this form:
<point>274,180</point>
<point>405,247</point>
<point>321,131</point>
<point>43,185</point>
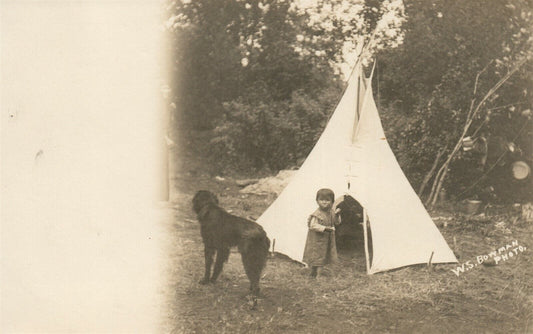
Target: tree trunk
<point>429,175</point>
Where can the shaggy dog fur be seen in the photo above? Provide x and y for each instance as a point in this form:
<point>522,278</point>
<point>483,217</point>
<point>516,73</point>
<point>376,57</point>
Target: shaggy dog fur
<point>221,231</point>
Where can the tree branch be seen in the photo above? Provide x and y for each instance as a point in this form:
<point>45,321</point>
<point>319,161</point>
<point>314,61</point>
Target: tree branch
<point>441,175</point>
<point>431,171</point>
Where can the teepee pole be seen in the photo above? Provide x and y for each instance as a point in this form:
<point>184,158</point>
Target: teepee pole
<point>366,241</point>
<point>358,114</point>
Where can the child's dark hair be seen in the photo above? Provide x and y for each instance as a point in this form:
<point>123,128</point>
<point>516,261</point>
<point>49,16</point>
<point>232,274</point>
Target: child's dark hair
<point>325,193</point>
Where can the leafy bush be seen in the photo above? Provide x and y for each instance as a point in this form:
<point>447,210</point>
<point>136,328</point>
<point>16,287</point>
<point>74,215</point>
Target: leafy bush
<point>277,135</point>
<point>452,56</point>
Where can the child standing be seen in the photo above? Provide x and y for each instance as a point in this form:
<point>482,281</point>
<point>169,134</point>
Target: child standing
<point>320,248</point>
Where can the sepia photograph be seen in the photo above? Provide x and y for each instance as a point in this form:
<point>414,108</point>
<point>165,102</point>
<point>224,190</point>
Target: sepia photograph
<point>266,166</point>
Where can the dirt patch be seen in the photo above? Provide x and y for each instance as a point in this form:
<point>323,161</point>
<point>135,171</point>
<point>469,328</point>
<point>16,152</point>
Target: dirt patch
<point>270,185</point>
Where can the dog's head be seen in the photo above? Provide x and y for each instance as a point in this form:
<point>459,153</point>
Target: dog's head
<point>202,200</point>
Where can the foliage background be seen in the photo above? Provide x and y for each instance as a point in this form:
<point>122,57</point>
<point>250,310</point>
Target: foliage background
<point>262,78</point>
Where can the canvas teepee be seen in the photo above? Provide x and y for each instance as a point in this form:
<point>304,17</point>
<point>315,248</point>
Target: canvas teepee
<point>353,157</point>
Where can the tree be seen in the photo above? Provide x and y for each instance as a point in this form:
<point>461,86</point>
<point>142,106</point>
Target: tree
<point>227,49</point>
<point>455,53</point>
<point>263,74</point>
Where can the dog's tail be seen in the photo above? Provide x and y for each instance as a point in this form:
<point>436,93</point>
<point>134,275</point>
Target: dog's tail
<point>266,240</point>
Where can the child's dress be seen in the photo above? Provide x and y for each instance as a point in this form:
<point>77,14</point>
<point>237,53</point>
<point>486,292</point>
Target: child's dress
<point>320,248</point>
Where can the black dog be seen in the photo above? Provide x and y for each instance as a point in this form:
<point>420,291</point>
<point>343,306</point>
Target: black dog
<point>221,230</point>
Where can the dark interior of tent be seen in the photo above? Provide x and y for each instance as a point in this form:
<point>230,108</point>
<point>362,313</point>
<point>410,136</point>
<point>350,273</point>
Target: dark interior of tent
<point>349,234</point>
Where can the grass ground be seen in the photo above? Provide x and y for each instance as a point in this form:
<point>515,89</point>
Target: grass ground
<point>481,299</point>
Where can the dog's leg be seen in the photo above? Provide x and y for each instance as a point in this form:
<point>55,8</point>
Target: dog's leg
<point>208,253</point>
<point>254,256</point>
<point>254,275</point>
<point>222,256</point>
<point>253,271</point>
